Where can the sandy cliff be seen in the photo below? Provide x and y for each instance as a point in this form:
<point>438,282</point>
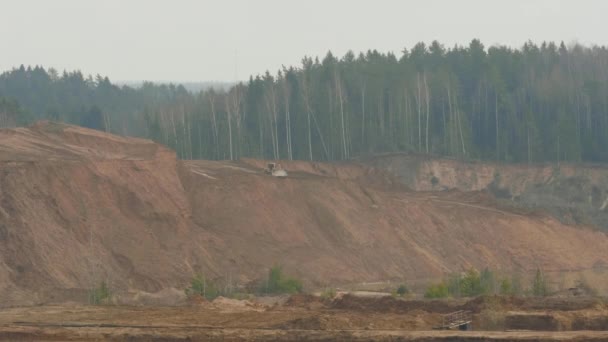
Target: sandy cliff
<point>79,206</point>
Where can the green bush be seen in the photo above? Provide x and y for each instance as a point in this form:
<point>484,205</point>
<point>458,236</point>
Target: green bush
<point>434,181</point>
<point>470,284</point>
<point>539,285</point>
<point>278,283</point>
<point>402,290</point>
<point>487,282</point>
<point>506,288</point>
<point>240,295</point>
<point>328,294</point>
<point>100,294</point>
<point>439,290</point>
<point>202,287</point>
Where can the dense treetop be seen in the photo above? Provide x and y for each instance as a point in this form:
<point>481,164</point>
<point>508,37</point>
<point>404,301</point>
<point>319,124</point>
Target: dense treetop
<point>544,102</point>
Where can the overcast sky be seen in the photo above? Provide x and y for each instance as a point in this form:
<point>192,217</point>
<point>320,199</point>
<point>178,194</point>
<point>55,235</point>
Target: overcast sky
<point>188,40</point>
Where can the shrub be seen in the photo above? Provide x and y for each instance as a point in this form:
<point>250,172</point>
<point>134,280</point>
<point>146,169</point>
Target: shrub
<point>470,284</point>
<point>100,295</point>
<point>201,287</point>
<point>439,290</point>
<point>492,316</point>
<point>328,294</point>
<point>539,285</point>
<point>239,296</point>
<point>279,283</point>
<point>434,181</point>
<point>506,288</point>
<point>583,285</point>
<point>402,290</point>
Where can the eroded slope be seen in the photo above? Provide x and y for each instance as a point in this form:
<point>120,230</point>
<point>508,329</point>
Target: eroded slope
<point>79,206</point>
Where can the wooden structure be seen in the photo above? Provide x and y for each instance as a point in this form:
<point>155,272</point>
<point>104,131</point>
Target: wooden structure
<point>460,320</point>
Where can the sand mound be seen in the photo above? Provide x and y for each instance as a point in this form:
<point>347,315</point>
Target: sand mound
<point>228,304</point>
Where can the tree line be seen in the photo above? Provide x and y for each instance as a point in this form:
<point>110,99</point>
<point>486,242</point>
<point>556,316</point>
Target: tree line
<point>537,103</point>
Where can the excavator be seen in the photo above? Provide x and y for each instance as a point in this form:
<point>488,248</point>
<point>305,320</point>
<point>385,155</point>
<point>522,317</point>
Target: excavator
<point>275,170</point>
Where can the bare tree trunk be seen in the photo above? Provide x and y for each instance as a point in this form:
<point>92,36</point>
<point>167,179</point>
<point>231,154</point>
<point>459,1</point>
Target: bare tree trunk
<point>464,152</point>
<point>451,133</point>
<point>185,135</point>
<point>428,112</point>
<point>408,118</point>
<point>320,136</point>
<point>200,141</point>
<point>174,131</point>
<point>216,137</point>
<point>558,153</point>
<point>341,99</point>
<point>106,122</point>
<point>496,120</point>
<point>271,107</point>
<point>261,129</point>
<point>363,112</point>
<point>287,119</point>
<point>305,95</point>
<point>331,136</point>
<point>276,125</point>
<point>445,130</point>
<point>419,113</point>
<point>405,116</point>
<point>229,114</point>
<point>189,136</point>
<point>238,110</point>
<point>164,129</point>
<point>528,131</point>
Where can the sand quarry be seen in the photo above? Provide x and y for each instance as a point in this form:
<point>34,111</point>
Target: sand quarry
<point>79,206</point>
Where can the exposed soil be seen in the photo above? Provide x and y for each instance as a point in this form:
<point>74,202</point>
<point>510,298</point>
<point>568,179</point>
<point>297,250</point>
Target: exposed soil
<point>78,207</point>
<point>572,193</point>
<point>228,321</point>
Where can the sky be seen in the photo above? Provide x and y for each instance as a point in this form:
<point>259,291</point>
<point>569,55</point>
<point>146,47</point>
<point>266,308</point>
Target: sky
<point>228,40</point>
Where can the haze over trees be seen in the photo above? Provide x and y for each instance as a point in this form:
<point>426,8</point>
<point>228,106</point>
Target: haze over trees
<point>544,102</point>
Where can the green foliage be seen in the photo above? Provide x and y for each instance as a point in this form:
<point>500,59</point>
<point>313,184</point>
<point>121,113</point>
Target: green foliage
<point>435,291</point>
<point>487,282</point>
<point>434,181</point>
<point>240,295</point>
<point>342,107</point>
<point>539,284</point>
<point>11,113</point>
<point>100,294</point>
<point>94,119</point>
<point>328,294</point>
<point>506,288</point>
<point>277,282</point>
<point>471,283</point>
<point>402,290</point>
<point>200,286</point>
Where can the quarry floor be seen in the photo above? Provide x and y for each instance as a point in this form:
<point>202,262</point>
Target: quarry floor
<point>301,319</point>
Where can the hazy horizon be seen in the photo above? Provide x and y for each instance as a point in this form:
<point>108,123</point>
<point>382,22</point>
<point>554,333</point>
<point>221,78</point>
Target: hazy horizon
<point>193,41</point>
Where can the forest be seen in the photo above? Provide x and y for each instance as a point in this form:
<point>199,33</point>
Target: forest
<point>543,102</point>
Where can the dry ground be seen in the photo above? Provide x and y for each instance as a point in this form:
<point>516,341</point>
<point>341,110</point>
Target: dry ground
<point>302,318</point>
